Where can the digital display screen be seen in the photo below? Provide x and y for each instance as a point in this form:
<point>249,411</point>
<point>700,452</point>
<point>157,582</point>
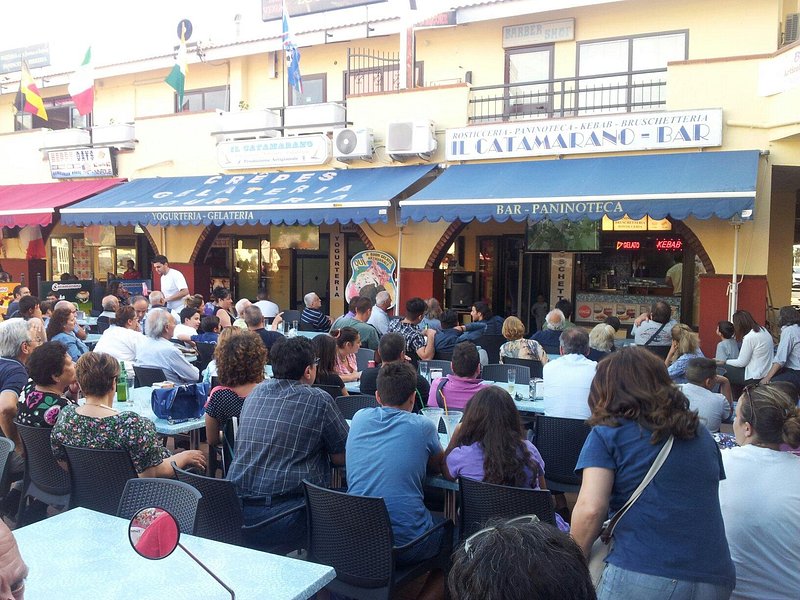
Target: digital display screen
<point>563,236</point>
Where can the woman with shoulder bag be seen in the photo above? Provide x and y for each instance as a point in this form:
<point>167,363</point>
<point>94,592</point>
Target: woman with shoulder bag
<point>671,542</point>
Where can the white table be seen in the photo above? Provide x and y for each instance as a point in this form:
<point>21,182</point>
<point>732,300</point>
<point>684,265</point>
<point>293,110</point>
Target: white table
<point>85,554</point>
<point>139,403</point>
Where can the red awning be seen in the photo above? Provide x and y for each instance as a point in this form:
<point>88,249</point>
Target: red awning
<point>35,203</point>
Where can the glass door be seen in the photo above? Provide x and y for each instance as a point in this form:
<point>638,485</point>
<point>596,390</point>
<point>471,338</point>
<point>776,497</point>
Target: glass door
<point>533,66</point>
<point>246,266</point>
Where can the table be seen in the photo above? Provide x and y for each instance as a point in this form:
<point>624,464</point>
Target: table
<point>139,403</point>
<point>85,554</point>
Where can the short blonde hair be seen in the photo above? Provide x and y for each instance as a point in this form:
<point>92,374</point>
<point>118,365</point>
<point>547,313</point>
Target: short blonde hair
<point>513,329</point>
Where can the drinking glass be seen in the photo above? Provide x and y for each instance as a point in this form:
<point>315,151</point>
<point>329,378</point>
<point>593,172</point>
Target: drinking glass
<point>423,369</point>
<point>512,378</point>
<point>294,325</point>
<point>532,389</point>
<point>434,414</point>
<point>451,419</point>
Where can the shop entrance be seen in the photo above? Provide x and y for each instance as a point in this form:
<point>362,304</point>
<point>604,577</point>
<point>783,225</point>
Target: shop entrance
<point>498,272</point>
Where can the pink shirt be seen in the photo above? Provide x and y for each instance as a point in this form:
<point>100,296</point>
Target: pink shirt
<point>346,366</point>
<point>457,391</point>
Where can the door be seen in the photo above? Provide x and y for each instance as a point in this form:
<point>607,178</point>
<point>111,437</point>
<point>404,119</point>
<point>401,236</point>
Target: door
<point>312,274</point>
<point>246,266</point>
<point>532,65</point>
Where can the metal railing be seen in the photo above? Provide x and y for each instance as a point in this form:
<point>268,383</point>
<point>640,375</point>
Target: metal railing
<point>569,97</point>
<point>371,71</point>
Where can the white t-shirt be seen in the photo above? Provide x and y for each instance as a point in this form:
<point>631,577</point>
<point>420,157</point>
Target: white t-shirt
<point>712,408</point>
<point>121,343</point>
<point>268,309</point>
<point>760,502</point>
<point>171,284</point>
<point>183,330</point>
<point>567,380</point>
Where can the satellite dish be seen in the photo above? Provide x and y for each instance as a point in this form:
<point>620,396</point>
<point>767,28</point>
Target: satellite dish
<point>185,23</point>
<point>346,141</point>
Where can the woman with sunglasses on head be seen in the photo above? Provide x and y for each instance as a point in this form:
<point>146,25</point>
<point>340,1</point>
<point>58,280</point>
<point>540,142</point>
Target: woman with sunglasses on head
<point>671,542</point>
<point>760,497</point>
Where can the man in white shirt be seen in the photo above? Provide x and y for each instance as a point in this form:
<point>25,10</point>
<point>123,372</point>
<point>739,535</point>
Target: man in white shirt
<point>567,379</point>
<point>379,318</point>
<point>173,283</point>
<point>268,308</point>
<point>712,408</point>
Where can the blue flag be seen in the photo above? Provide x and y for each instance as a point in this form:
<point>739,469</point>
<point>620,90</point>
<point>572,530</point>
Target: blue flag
<point>292,55</point>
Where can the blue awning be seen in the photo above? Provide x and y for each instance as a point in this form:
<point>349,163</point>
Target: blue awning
<point>703,185</point>
<point>333,196</point>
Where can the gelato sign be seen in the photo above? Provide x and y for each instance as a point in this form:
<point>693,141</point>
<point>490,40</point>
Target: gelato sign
<point>582,135</point>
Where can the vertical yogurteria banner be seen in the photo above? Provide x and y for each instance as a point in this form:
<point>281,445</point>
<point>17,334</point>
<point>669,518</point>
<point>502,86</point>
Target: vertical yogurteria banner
<point>373,272</point>
<point>337,272</point>
<point>561,265</point>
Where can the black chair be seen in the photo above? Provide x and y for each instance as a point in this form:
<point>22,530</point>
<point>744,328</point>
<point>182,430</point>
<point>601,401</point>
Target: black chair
<point>659,351</point>
<point>98,477</point>
<point>444,365</point>
<point>353,534</point>
<point>219,513</point>
<point>303,326</point>
<point>44,479</point>
<point>229,443</point>
<point>6,448</point>
<point>536,367</point>
<point>491,343</point>
<point>147,376</point>
<point>552,348</point>
<point>560,441</point>
<point>332,390</point>
<point>500,373</point>
<point>291,315</point>
<point>350,405</point>
<point>178,498</point>
<point>103,323</point>
<point>482,502</point>
<point>443,356</point>
<point>363,357</point>
<point>205,354</point>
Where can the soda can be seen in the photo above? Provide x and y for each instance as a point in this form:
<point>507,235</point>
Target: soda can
<point>371,364</point>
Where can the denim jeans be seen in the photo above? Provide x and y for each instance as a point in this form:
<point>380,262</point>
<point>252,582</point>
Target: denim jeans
<point>284,532</point>
<point>427,548</point>
<point>619,583</point>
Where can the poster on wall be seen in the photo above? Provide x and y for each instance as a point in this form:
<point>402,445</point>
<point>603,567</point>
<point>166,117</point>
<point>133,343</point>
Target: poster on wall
<point>561,276</point>
<point>78,291</point>
<point>373,272</point>
<point>136,287</point>
<point>6,296</point>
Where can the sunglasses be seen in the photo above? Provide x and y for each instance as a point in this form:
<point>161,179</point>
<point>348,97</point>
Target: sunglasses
<point>469,544</point>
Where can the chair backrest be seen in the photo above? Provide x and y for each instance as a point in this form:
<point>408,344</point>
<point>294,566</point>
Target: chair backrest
<point>103,323</point>
<point>482,502</point>
<point>552,348</point>
<point>219,513</point>
<point>535,367</point>
<point>229,443</point>
<point>559,441</point>
<point>6,448</point>
<point>444,365</point>
<point>444,356</point>
<point>146,376</point>
<point>205,354</point>
<point>291,315</point>
<point>98,477</point>
<point>500,373</point>
<point>176,497</point>
<point>363,356</point>
<point>352,534</point>
<point>41,467</point>
<point>303,326</point>
<point>660,351</point>
<point>491,343</point>
<point>332,390</point>
<point>350,405</point>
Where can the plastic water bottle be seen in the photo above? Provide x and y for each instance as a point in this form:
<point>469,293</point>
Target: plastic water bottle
<point>122,383</point>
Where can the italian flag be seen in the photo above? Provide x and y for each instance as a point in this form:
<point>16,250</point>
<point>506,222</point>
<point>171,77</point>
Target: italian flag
<point>81,88</point>
<point>177,76</point>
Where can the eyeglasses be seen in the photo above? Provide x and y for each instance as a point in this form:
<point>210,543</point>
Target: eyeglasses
<point>752,419</point>
<point>469,544</point>
<point>316,362</point>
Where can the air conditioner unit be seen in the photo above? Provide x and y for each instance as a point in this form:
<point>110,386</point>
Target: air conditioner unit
<point>408,138</point>
<point>791,30</point>
<point>352,144</point>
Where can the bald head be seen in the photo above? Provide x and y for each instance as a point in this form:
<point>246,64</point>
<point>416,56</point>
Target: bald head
<point>65,304</point>
<point>13,569</point>
<point>110,303</point>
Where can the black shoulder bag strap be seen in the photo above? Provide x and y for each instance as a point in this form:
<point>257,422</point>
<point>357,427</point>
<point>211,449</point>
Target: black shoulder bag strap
<point>439,394</point>
<point>652,337</point>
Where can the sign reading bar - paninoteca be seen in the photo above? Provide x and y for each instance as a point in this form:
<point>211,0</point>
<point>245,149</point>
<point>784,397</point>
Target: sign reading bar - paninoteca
<point>583,135</point>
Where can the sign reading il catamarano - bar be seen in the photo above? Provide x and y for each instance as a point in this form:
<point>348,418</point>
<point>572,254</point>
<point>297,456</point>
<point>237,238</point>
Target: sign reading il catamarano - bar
<point>582,135</point>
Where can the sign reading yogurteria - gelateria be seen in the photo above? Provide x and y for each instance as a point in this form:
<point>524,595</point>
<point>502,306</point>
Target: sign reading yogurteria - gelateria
<point>583,135</point>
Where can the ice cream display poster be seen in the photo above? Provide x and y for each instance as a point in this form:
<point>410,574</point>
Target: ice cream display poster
<point>373,272</point>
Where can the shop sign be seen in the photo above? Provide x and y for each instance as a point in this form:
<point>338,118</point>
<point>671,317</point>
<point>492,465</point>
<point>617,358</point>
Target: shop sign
<point>561,276</point>
<point>545,32</point>
<point>81,162</point>
<point>36,56</point>
<point>643,224</point>
<point>337,270</point>
<point>77,291</point>
<point>582,135</point>
<point>628,245</point>
<point>779,73</point>
<point>7,295</point>
<point>373,272</point>
<point>669,245</point>
<point>274,152</point>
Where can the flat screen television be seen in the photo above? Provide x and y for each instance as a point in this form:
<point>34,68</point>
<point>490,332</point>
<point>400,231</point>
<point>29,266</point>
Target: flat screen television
<point>563,236</point>
<point>299,237</point>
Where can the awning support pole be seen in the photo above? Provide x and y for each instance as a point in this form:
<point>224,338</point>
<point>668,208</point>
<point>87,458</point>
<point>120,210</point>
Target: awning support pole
<point>397,279</point>
<point>733,296</point>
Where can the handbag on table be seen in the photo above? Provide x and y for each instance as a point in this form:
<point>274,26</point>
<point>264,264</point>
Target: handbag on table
<point>603,544</point>
<point>180,403</point>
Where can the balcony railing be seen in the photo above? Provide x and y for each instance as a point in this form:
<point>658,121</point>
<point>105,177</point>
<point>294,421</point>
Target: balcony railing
<point>569,97</point>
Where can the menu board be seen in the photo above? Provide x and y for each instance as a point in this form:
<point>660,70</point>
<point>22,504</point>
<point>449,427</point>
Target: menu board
<point>594,308</point>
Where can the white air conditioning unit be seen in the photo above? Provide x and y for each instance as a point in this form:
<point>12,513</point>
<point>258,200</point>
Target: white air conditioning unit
<point>352,144</point>
<point>408,138</point>
<point>791,29</point>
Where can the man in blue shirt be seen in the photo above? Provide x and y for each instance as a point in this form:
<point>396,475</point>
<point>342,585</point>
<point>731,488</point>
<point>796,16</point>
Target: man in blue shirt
<point>389,449</point>
<point>312,315</point>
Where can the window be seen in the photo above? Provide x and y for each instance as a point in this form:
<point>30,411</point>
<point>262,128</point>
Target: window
<point>205,99</point>
<point>524,65</point>
<point>61,114</point>
<point>315,90</point>
<point>384,76</point>
<point>633,71</point>
<point>60,256</point>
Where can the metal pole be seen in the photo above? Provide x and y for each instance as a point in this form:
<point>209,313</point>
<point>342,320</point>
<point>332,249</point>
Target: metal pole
<point>399,255</point>
<point>733,297</point>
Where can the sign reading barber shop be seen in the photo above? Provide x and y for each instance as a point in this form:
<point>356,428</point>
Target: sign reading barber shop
<point>582,135</point>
